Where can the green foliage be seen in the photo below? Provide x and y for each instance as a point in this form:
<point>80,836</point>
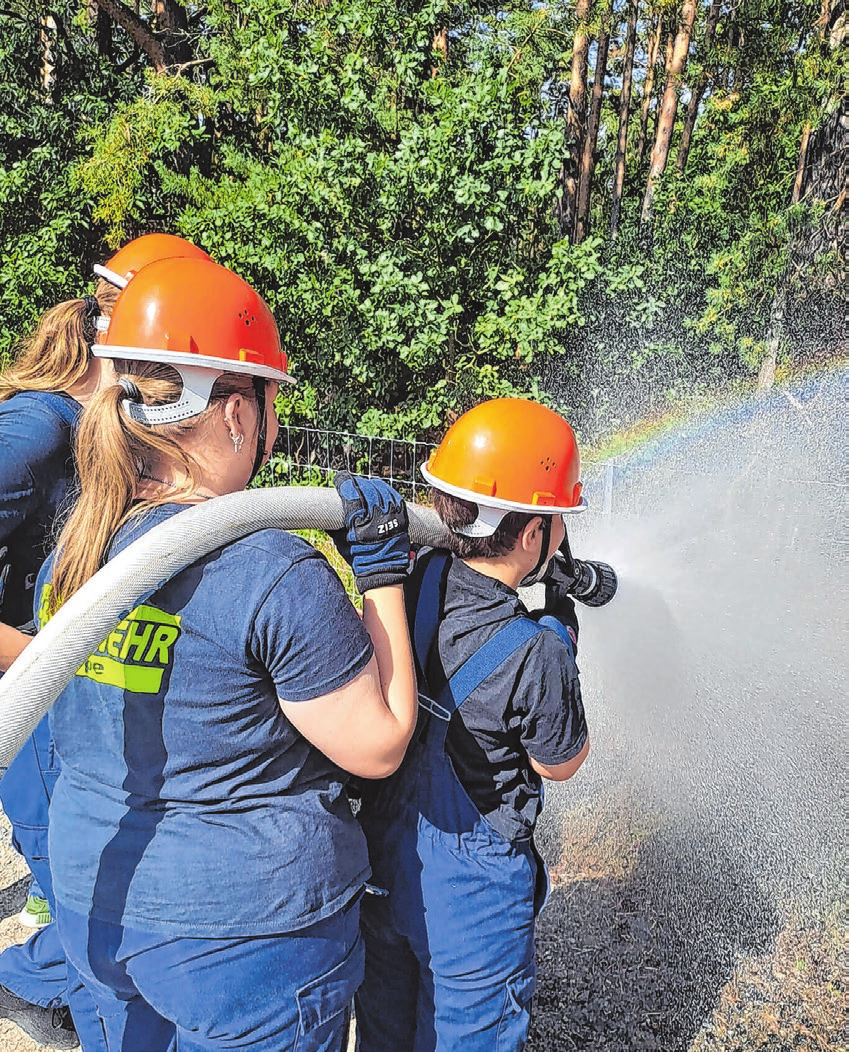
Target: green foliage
<point>395,194</point>
<point>46,236</point>
<point>128,171</point>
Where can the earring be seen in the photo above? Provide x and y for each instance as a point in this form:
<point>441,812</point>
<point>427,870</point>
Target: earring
<point>238,442</point>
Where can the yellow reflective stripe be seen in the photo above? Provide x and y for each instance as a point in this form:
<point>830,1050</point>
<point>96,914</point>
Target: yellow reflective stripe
<point>127,677</point>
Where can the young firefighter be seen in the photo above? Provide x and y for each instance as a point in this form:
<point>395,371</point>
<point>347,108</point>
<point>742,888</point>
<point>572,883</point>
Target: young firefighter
<point>450,948</point>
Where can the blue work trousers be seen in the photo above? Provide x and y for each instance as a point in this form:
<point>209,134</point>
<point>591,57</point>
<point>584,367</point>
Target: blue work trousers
<point>37,970</point>
<point>450,948</point>
<point>281,993</point>
<point>464,981</point>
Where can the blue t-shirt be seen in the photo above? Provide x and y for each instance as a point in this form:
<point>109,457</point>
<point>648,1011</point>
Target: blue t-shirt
<point>188,804</point>
<point>36,470</point>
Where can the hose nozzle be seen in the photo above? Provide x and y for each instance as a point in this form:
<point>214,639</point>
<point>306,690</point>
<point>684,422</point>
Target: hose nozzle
<point>595,582</point>
<point>590,581</point>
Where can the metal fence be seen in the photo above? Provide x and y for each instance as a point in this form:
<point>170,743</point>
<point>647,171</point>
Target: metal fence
<point>306,454</point>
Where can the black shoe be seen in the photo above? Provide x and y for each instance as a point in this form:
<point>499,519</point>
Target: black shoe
<point>48,1026</point>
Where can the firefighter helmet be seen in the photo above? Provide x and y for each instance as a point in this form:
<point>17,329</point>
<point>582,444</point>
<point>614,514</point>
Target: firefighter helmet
<point>508,454</point>
<point>200,318</point>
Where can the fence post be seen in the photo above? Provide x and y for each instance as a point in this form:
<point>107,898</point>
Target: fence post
<point>607,505</point>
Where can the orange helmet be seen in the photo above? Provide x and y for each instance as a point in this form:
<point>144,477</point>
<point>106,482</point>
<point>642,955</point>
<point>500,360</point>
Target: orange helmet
<point>506,455</point>
<point>200,318</point>
<point>130,259</point>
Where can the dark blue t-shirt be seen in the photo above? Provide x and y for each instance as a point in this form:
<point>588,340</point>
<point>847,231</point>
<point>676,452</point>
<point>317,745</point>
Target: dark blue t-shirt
<point>36,470</point>
<point>188,804</point>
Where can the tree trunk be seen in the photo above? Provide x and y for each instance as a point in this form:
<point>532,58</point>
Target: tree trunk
<point>799,181</point>
<point>137,31</point>
<point>585,178</point>
<point>580,56</point>
<point>827,10</point>
<point>575,124</point>
<point>648,87</point>
<point>47,39</point>
<point>766,376</point>
<point>669,106</point>
<point>102,27</point>
<point>440,45</point>
<point>172,25</point>
<point>624,108</point>
<point>698,90</point>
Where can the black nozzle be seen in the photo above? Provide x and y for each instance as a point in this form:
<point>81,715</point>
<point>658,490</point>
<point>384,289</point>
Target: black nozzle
<point>591,582</point>
<point>595,582</point>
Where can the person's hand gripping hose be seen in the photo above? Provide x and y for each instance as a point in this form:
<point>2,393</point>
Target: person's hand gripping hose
<point>375,542</point>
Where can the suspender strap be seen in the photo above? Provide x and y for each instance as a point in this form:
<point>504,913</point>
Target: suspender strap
<point>428,609</point>
<point>547,621</point>
<point>485,661</point>
<point>481,665</point>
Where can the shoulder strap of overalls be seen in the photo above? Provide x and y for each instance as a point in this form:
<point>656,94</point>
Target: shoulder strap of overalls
<point>66,409</point>
<point>429,610</point>
<point>479,666</point>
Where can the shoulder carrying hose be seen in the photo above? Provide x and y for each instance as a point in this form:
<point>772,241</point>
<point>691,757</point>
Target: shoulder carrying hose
<point>50,661</point>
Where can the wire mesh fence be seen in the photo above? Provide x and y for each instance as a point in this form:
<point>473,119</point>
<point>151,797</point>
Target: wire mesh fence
<point>314,455</point>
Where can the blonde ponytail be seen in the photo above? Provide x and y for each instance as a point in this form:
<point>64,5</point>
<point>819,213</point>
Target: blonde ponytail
<point>57,354</point>
<point>112,449</point>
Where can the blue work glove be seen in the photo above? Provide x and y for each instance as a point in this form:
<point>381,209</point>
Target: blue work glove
<point>375,542</point>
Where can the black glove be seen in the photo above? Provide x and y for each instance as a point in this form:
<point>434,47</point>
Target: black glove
<point>559,603</point>
<point>375,542</point>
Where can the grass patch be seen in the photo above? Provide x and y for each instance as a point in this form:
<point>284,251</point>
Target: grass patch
<point>601,840</point>
<point>792,999</point>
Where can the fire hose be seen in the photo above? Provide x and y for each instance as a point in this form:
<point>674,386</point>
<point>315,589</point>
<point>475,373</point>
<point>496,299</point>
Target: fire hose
<point>49,662</point>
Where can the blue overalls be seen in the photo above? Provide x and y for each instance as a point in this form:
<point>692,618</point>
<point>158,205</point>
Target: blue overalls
<point>36,970</point>
<point>450,947</point>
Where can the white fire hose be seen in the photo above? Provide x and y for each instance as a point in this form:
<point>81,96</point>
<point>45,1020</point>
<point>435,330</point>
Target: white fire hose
<point>50,661</point>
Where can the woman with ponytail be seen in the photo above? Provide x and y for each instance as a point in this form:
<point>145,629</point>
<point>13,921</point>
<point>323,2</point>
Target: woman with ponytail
<point>41,396</point>
<point>207,866</point>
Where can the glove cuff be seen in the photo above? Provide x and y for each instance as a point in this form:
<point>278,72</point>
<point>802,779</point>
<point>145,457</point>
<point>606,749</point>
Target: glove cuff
<point>383,579</point>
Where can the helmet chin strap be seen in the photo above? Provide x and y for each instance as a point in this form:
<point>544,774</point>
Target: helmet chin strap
<point>262,428</point>
<point>538,571</point>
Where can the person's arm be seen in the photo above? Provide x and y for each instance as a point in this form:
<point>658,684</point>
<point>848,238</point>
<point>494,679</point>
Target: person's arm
<point>555,733</point>
<point>561,772</point>
<point>12,643</point>
<point>365,726</point>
